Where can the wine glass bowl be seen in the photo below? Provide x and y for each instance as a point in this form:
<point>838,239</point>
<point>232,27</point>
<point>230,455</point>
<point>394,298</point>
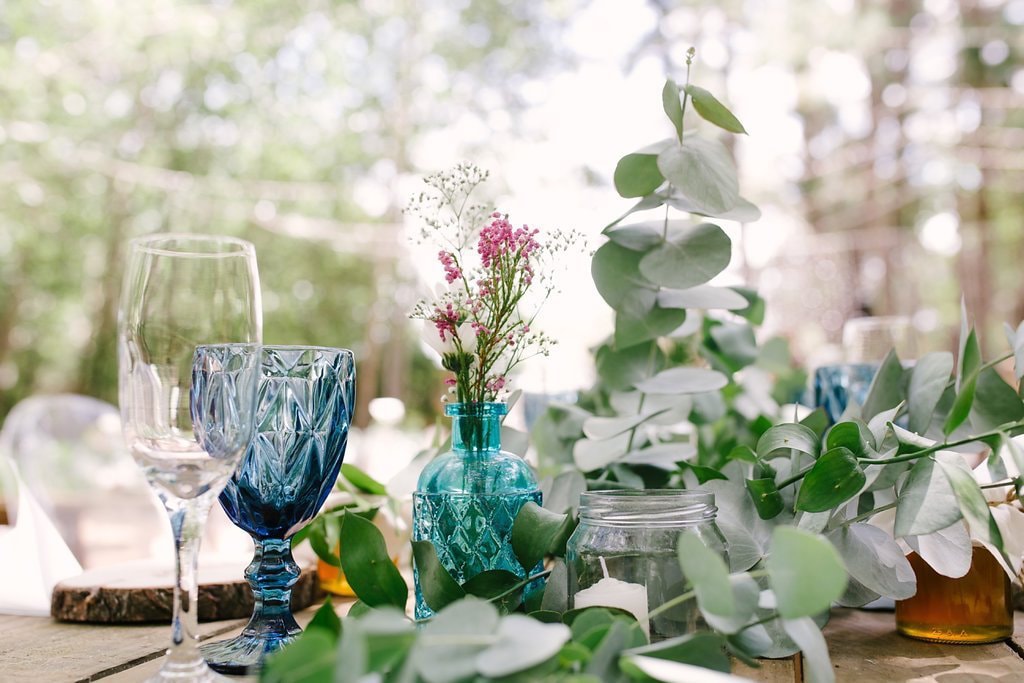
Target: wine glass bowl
<point>189,329</point>
<point>304,406</point>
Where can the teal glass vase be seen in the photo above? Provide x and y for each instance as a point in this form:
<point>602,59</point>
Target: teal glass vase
<point>467,499</point>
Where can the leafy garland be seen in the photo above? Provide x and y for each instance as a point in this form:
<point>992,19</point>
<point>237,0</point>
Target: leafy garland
<point>802,505</point>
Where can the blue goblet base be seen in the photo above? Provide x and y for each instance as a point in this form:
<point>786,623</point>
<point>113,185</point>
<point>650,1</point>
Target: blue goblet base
<point>245,653</point>
<point>271,575</point>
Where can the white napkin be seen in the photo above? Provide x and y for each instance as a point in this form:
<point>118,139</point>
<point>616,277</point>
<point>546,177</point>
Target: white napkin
<point>33,556</point>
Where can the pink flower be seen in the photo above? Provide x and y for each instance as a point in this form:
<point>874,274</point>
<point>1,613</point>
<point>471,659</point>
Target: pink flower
<point>452,272</point>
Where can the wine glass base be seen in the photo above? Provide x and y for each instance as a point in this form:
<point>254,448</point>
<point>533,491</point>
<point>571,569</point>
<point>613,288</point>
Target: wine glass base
<point>192,672</point>
<point>243,654</point>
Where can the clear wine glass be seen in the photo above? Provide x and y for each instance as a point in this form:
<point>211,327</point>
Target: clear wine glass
<point>189,328</point>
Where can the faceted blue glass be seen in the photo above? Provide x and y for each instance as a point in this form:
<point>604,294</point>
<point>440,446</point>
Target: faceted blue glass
<point>836,385</point>
<point>304,406</point>
<point>467,499</point>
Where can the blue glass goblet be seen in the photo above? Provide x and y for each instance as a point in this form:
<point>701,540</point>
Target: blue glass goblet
<point>305,402</point>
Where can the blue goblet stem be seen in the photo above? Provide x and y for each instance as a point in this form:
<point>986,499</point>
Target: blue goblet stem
<point>271,575</point>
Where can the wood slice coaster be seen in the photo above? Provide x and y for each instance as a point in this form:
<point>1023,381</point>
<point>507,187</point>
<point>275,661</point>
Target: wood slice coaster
<point>143,591</point>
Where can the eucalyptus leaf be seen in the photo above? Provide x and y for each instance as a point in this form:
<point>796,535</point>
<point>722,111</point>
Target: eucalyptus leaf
<point>996,403</point>
<point>706,650</point>
<point>622,369</point>
<point>874,559</point>
<point>926,502</point>
<point>619,636</point>
<point>744,211</point>
<point>886,389</point>
<point>683,380</point>
<point>702,296</point>
<point>590,455</point>
<point>673,107</point>
<point>948,551</point>
<point>632,328</point>
<point>637,175</point>
<point>562,494</point>
<point>1016,340</point>
<point>438,587</point>
<point>640,237</point>
<point>651,201</point>
<point>556,589</point>
<point>522,643</point>
<point>807,635</point>
<point>707,572</point>
<point>927,382</point>
<point>688,257</point>
<point>599,428</point>
<point>745,593</point>
<point>448,644</point>
<point>970,497</point>
<point>805,572</point>
<point>652,668</point>
<point>664,456</point>
<point>702,170</point>
<point>367,565</point>
<point>834,479</point>
<point>713,111</point>
<point>789,436</point>
<point>616,273</point>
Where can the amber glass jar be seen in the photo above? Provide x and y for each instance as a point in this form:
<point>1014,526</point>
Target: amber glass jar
<point>975,608</point>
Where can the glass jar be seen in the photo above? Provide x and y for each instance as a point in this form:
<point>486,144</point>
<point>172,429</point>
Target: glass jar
<point>623,553</point>
<point>975,608</point>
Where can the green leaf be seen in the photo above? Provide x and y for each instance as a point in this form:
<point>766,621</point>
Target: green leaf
<point>327,619</point>
<point>702,170</point>
<point>646,669</point>
<point>707,572</point>
<point>321,545</point>
<point>683,380</point>
<point>817,421</point>
<point>537,532</point>
<point>377,641</point>
<point>651,201</point>
<point>437,585</point>
<point>733,344</point>
<point>996,403</point>
<point>688,257</point>
<point>362,481</point>
<point>713,111</point>
<point>767,499</point>
<point>638,236</point>
<point>847,435</point>
<point>705,474</point>
<point>834,479</point>
<point>969,357</point>
<point>805,572</point>
<point>703,649</point>
<point>886,388</point>
<point>522,643</point>
<point>927,382</point>
<point>637,175</point>
<point>926,502</point>
<point>1016,340</point>
<point>622,369</point>
<point>743,212</point>
<point>702,296</point>
<point>310,659</point>
<point>367,565</point>
<point>807,635</point>
<point>970,497</point>
<point>556,589</point>
<point>621,635</point>
<point>494,584</point>
<point>673,107</point>
<point>788,436</point>
<point>873,559</point>
<point>616,273</point>
<point>563,492</point>
<point>657,322</point>
<point>961,405</point>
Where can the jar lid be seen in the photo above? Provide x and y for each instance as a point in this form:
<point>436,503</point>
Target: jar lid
<point>647,507</point>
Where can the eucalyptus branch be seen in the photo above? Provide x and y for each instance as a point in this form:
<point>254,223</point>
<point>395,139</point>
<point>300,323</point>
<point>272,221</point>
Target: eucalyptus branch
<point>867,515</point>
<point>689,63</point>
<point>520,584</point>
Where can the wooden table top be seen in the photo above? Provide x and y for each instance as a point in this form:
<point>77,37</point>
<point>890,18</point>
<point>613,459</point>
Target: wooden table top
<point>864,647</point>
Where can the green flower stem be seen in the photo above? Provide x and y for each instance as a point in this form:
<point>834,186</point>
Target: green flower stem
<point>868,514</point>
<point>521,584</point>
<point>916,455</point>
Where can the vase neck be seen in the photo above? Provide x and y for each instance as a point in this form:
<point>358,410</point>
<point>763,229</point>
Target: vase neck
<point>476,427</point>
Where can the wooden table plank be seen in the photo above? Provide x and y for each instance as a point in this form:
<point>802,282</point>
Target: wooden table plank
<point>864,647</point>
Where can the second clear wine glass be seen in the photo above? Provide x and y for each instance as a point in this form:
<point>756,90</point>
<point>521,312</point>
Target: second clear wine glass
<point>189,328</point>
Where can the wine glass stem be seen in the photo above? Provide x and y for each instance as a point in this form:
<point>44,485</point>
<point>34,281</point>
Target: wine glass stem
<point>187,519</point>
<point>271,576</point>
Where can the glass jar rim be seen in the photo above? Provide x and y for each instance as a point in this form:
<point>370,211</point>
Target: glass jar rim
<point>647,507</point>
